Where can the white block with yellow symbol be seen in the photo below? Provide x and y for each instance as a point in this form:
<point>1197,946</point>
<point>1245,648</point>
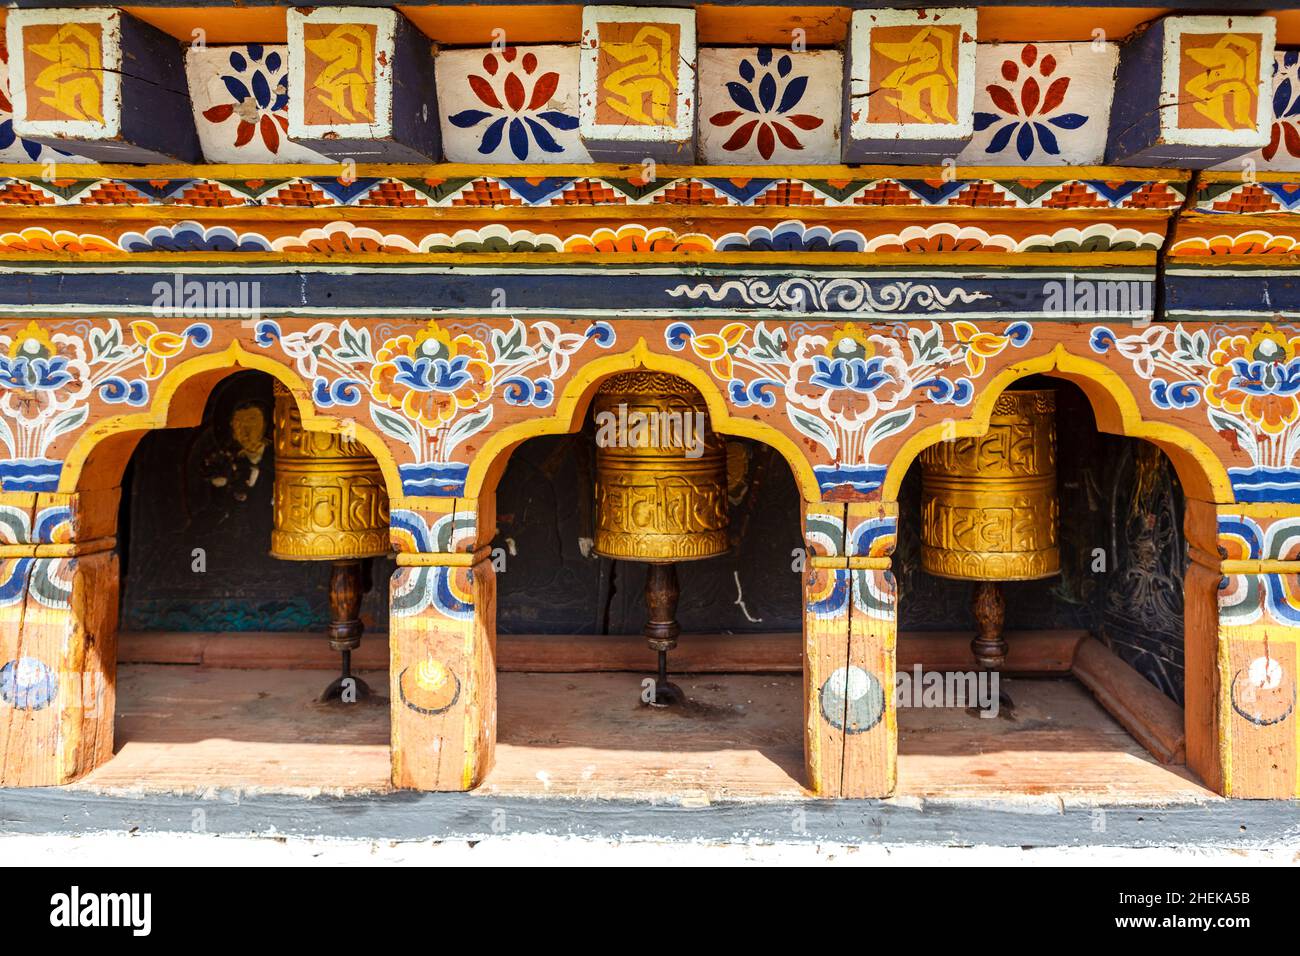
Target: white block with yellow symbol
<point>911,86</point>
<point>1193,91</point>
<point>100,83</point>
<point>637,91</point>
<point>361,85</point>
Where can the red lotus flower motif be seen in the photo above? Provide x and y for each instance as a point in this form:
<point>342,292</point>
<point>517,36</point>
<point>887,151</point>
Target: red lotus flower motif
<point>1032,105</point>
<point>513,109</point>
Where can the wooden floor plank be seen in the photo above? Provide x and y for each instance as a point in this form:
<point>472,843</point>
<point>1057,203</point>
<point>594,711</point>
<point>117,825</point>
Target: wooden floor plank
<point>193,728</point>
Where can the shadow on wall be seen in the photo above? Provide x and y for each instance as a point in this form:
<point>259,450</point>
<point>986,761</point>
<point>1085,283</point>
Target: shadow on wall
<point>1123,551</point>
<point>553,584</point>
<point>208,489</point>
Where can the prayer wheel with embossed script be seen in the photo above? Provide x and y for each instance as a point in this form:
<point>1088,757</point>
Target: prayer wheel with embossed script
<point>329,504</point>
<point>661,493</point>
<point>989,510</point>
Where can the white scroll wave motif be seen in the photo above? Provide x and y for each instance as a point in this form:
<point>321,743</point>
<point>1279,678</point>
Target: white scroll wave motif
<point>823,295</point>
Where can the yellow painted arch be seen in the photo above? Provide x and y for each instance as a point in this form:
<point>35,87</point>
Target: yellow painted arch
<point>1202,474</point>
<point>572,403</point>
<point>164,411</point>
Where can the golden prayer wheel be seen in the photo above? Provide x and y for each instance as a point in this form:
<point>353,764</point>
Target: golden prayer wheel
<point>661,473</point>
<point>661,492</point>
<point>989,511</point>
<point>329,504</point>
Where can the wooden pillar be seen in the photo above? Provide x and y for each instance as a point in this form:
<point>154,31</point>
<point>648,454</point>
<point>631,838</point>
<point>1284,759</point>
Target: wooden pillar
<point>1243,627</point>
<point>850,631</point>
<point>58,634</point>
<point>442,634</point>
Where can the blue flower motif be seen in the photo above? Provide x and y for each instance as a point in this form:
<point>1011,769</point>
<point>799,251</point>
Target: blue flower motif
<point>259,86</point>
<point>1030,113</point>
<point>764,100</point>
<point>517,118</point>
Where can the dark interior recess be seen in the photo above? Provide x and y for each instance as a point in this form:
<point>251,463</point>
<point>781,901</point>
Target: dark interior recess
<point>195,488</point>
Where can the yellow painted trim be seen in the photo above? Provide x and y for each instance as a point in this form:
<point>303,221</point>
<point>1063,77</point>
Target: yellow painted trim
<point>631,171</point>
<point>1089,259</point>
<point>1234,176</point>
<point>1060,360</point>
<point>1219,222</point>
<point>863,562</point>
<point>71,549</point>
<point>442,559</point>
<point>828,562</point>
<point>1232,261</point>
<point>1259,566</point>
<point>567,417</point>
<point>234,356</point>
<point>1259,509</point>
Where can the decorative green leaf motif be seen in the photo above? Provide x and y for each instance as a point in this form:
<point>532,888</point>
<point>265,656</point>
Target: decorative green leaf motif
<point>354,345</point>
<point>890,423</point>
<point>927,348</point>
<point>769,346</point>
<point>467,426</point>
<point>394,426</point>
<point>814,428</point>
<point>1222,423</point>
<point>510,348</point>
<point>1191,347</point>
<point>69,420</point>
<point>106,345</point>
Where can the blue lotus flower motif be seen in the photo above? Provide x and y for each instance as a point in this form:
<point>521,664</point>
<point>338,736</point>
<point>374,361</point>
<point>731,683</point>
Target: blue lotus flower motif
<point>36,373</point>
<point>765,96</point>
<point>1263,377</point>
<point>259,86</point>
<point>517,111</point>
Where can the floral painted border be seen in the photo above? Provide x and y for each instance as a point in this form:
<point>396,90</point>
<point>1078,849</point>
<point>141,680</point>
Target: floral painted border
<point>189,236</point>
<point>1248,384</point>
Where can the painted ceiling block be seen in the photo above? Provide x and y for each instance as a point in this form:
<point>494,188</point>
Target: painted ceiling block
<point>1282,151</point>
<point>13,148</point>
<point>510,105</point>
<point>770,105</point>
<point>911,85</point>
<point>241,104</point>
<point>361,85</point>
<point>1193,91</point>
<point>1042,104</point>
<point>637,84</point>
<point>101,83</point>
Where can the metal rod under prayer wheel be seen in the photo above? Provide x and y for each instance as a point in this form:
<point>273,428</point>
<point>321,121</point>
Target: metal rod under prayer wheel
<point>989,510</point>
<point>330,505</point>
<point>661,494</point>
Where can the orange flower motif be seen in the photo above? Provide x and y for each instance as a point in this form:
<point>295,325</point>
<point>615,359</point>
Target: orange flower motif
<point>980,346</point>
<point>1257,376</point>
<point>637,238</point>
<point>158,346</point>
<point>715,348</point>
<point>431,376</point>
